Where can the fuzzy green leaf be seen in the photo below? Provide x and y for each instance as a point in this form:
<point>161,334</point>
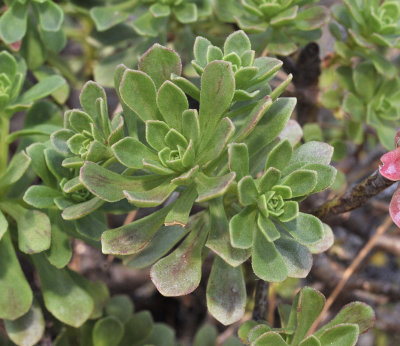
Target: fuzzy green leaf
<point>302,182</point>
<point>133,237</point>
<point>92,225</point>
<point>356,313</point>
<point>364,78</point>
<point>60,252</point>
<point>3,224</point>
<point>120,306</point>
<point>280,156</point>
<point>33,227</point>
<point>138,91</point>
<point>40,90</point>
<point>242,227</point>
<point>109,186</point>
<point>155,133</point>
<point>63,297</point>
<point>238,159</point>
<point>15,170</point>
<point>16,297</point>
<point>216,144</point>
<point>150,198</point>
<point>77,211</point>
<point>130,152</point>
<point>325,176</point>
<point>38,163</point>
<point>159,63</point>
<point>219,240</point>
<point>310,341</point>
<point>310,303</point>
<point>51,16</point>
<point>13,22</point>
<point>306,228</point>
<point>138,329</point>
<point>107,331</point>
<point>267,228</point>
<point>226,292</point>
<point>237,42</point>
<point>271,124</point>
<point>297,257</point>
<point>266,261</point>
<point>270,338</point>
<point>186,13</point>
<point>180,272</point>
<point>28,329</point>
<point>179,213</point>
<point>90,93</point>
<point>212,187</point>
<point>217,89</point>
<point>40,196</point>
<point>108,16</point>
<point>162,242</point>
<point>343,334</point>
<point>313,152</point>
<point>172,102</point>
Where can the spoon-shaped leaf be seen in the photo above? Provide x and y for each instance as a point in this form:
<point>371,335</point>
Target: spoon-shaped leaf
<point>226,292</point>
<point>16,296</point>
<point>180,272</point>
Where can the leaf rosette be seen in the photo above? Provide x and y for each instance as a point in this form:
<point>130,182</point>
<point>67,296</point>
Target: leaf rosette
<point>285,23</point>
<point>37,24</point>
<point>373,99</point>
<point>297,320</point>
<point>270,222</point>
<point>370,34</point>
<point>153,14</point>
<point>250,73</point>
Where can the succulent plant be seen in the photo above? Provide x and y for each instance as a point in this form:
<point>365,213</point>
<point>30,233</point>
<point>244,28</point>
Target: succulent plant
<point>372,99</point>
<point>369,33</point>
<point>286,23</point>
<point>250,73</point>
<point>351,321</point>
<point>153,14</point>
<point>270,222</point>
<point>183,159</point>
<point>37,23</point>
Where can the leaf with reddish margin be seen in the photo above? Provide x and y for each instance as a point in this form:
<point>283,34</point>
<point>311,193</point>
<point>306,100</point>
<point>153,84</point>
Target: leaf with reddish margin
<point>394,208</point>
<point>179,273</point>
<point>135,236</point>
<point>390,168</point>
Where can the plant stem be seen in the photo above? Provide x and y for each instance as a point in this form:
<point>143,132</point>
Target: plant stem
<point>260,311</point>
<point>355,197</point>
<point>4,129</point>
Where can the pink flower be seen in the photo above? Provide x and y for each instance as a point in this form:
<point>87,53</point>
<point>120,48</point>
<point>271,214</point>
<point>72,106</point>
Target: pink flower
<point>390,169</point>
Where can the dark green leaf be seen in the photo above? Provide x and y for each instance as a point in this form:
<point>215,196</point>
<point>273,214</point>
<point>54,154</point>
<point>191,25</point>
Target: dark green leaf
<point>16,297</point>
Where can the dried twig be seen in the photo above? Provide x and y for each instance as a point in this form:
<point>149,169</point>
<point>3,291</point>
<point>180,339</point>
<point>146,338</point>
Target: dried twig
<point>350,270</point>
<point>355,197</point>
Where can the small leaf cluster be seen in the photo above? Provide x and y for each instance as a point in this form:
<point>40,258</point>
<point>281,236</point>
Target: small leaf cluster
<point>37,24</point>
<point>284,23</point>
<point>152,16</point>
<point>250,72</point>
<point>270,222</point>
<point>371,33</point>
<point>12,77</point>
<point>367,98</point>
<point>296,320</point>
